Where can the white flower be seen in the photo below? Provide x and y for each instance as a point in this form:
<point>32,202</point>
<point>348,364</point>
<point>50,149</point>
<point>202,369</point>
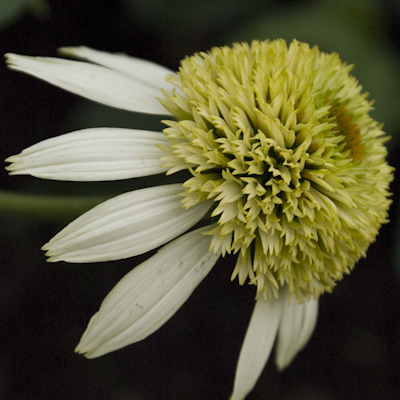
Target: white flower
<point>284,158</point>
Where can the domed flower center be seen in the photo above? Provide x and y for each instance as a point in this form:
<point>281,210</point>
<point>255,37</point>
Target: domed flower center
<point>281,140</point>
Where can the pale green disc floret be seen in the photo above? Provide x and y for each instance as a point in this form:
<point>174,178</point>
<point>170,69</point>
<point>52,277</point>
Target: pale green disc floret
<point>281,139</point>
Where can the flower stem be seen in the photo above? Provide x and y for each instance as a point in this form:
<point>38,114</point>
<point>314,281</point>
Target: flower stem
<point>46,208</point>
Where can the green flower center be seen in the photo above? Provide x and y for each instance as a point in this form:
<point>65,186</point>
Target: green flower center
<point>281,140</point>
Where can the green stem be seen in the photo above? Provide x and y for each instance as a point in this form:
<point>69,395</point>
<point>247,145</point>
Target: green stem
<point>47,208</point>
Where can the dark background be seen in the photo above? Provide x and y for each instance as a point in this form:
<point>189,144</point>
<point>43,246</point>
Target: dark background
<point>44,308</point>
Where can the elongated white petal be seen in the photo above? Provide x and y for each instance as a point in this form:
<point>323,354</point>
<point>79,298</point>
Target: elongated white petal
<point>257,345</point>
<point>98,154</point>
<point>295,329</point>
<point>94,82</point>
<point>148,72</point>
<point>125,226</point>
<point>149,295</point>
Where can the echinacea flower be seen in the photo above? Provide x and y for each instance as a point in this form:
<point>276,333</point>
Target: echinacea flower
<point>287,169</point>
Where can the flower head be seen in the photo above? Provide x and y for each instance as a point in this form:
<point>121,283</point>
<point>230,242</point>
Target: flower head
<point>284,159</point>
<point>281,140</point>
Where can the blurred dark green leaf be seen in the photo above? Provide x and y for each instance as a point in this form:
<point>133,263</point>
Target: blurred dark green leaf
<point>39,8</point>
<point>185,15</point>
<point>191,24</point>
<point>46,208</point>
<point>12,10</point>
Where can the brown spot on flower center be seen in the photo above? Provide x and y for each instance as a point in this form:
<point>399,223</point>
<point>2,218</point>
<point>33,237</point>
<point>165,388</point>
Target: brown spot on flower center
<point>352,136</point>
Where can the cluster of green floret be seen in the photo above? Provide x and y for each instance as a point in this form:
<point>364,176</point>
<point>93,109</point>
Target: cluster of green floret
<point>280,138</point>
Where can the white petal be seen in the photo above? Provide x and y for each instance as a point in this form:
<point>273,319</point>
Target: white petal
<point>149,295</point>
<point>295,329</point>
<point>257,345</point>
<point>98,154</point>
<point>144,71</point>
<point>125,226</point>
<point>94,82</point>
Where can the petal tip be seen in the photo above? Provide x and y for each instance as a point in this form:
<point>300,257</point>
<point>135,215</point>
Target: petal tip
<point>85,350</point>
<point>282,364</point>
<point>7,56</point>
<point>69,51</point>
<point>13,59</point>
<point>45,247</point>
<point>79,348</point>
<point>11,159</point>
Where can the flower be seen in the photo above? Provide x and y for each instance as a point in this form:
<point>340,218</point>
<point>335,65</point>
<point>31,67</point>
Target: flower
<point>286,164</point>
